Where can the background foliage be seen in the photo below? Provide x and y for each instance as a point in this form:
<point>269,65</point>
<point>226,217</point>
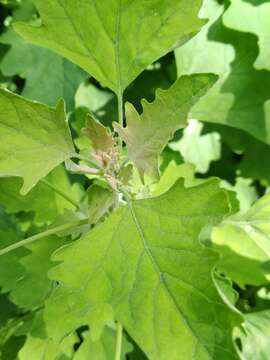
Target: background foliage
<point>61,302</point>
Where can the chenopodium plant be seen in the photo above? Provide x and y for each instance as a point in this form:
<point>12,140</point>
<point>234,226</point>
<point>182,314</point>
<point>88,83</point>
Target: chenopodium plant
<point>134,269</point>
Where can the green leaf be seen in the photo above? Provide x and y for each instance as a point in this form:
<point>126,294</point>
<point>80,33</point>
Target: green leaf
<point>96,205</point>
<point>8,2</point>
<point>131,34</point>
<point>11,347</point>
<point>100,201</point>
<point>243,242</point>
<point>99,102</point>
<point>254,19</point>
<point>23,273</point>
<point>53,76</point>
<point>250,149</point>
<point>245,193</point>
<point>250,166</point>
<point>172,173</point>
<point>10,268</point>
<point>218,52</point>
<point>12,335</point>
<point>45,203</point>
<point>198,149</point>
<point>35,139</point>
<point>33,285</point>
<point>40,346</point>
<point>256,338</point>
<point>23,10</point>
<point>240,98</point>
<point>102,349</point>
<point>93,98</point>
<point>147,135</point>
<point>146,264</point>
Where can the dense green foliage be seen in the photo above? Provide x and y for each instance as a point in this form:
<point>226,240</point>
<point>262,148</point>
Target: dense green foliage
<point>134,177</point>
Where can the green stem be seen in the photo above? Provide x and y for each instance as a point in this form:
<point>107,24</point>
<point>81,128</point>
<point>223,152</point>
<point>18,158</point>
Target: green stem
<point>41,235</point>
<point>89,161</point>
<point>120,108</point>
<point>120,112</point>
<point>118,349</point>
<point>61,193</point>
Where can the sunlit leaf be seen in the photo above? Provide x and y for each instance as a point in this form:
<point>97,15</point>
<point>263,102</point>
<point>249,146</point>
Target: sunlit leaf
<point>147,135</point>
<point>145,263</point>
<point>131,34</point>
<point>34,139</point>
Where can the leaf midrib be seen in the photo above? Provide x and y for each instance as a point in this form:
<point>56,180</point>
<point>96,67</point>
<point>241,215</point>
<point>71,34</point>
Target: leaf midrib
<point>117,50</point>
<point>81,40</point>
<point>160,274</point>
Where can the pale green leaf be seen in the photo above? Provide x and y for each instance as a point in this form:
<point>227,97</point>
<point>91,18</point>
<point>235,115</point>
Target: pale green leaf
<point>90,97</point>
<point>131,34</point>
<point>245,192</point>
<point>197,149</point>
<point>148,134</point>
<point>34,139</point>
<point>254,19</point>
<point>146,264</point>
<point>226,290</point>
<point>244,243</point>
<point>255,340</point>
<point>102,349</point>
<point>172,173</point>
<point>240,98</point>
<point>215,56</point>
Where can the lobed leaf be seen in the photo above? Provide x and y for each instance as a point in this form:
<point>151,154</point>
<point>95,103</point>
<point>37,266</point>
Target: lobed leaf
<point>103,348</point>
<point>34,139</point>
<point>99,136</point>
<point>131,34</point>
<point>146,265</point>
<point>256,340</point>
<point>197,149</point>
<point>240,98</point>
<point>244,243</point>
<point>54,76</point>
<point>39,345</point>
<point>254,19</point>
<point>148,134</point>
<point>33,285</point>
